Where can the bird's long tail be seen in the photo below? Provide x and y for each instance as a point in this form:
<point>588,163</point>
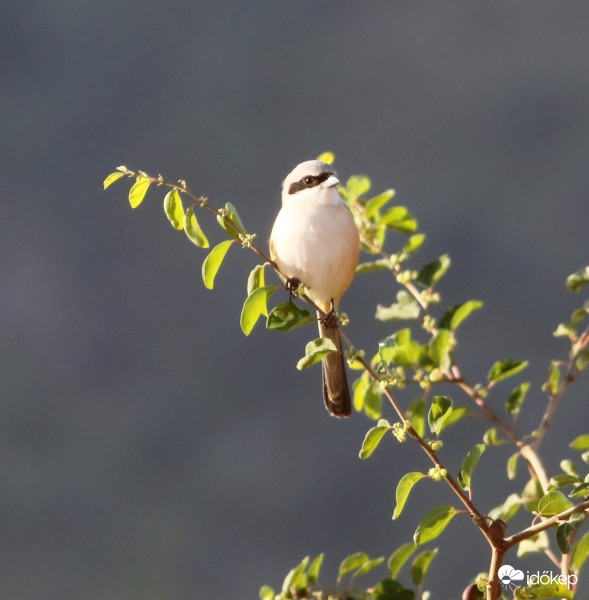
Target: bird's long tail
<point>336,393</point>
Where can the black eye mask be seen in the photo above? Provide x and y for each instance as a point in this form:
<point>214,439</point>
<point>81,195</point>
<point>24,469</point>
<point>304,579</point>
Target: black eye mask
<point>308,181</point>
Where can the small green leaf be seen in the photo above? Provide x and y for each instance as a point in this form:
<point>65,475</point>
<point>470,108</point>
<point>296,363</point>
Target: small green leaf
<point>287,316</point>
<point>368,566</point>
<point>568,466</point>
<point>502,369</point>
<point>296,577</point>
<point>553,378</point>
<point>403,489</point>
<point>138,191</point>
<point>112,178</point>
<point>192,229</point>
<point>492,438</point>
<point>533,545</point>
<point>315,352</point>
<point>440,347</point>
<point>516,399</point>
<point>581,442</point>
<point>267,593</point>
<point>314,569</point>
<point>458,413</point>
<point>256,279</point>
<point>367,397</point>
<point>508,509</point>
<point>512,466</point>
<point>559,481</point>
<point>373,437</point>
<point>580,553</point>
<point>351,563</point>
<point>229,220</point>
<point>357,186</point>
<point>578,279</point>
<point>174,209</point>
<point>400,219</point>
<point>376,265</point>
<point>543,590</point>
<point>433,524</point>
<point>580,490</point>
<point>373,206</point>
<point>388,589</point>
<point>416,414</point>
<point>399,557</point>
<point>456,314</point>
<point>553,503</point>
<point>414,243</point>
<point>438,413</point>
<point>327,157</point>
<point>255,305</point>
<point>431,273</point>
<point>563,534</point>
<point>421,565</point>
<point>469,464</point>
<point>400,349</point>
<point>406,307</point>
<point>212,263</point>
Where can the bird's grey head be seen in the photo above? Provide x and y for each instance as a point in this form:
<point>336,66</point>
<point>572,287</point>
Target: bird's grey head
<point>307,175</point>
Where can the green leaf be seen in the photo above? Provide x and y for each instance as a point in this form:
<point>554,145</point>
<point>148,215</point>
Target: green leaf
<point>228,217</point>
<point>492,438</point>
<point>296,577</point>
<point>438,413</point>
<point>373,438</point>
<point>400,349</point>
<point>456,314</point>
<point>553,503</point>
<point>406,307</point>
<point>400,219</point>
<point>212,263</point>
<point>553,377</point>
<point>287,316</point>
<point>315,352</point>
<point>508,509</point>
<point>174,209</point>
<point>256,279</point>
<point>516,399</point>
<point>421,565</point>
<point>388,589</point>
<point>469,464</point>
<point>512,466</point>
<point>357,186</point>
<point>192,229</point>
<point>112,178</point>
<point>543,590</point>
<point>414,243</point>
<point>533,545</point>
<point>458,413</point>
<point>581,442</point>
<point>403,489</point>
<point>416,414</point>
<point>440,347</point>
<point>367,397</point>
<point>373,206</point>
<point>351,563</point>
<point>376,265</point>
<point>568,466</point>
<point>433,524</point>
<point>431,273</point>
<point>580,490</point>
<point>267,593</point>
<point>559,481</point>
<point>314,567</point>
<point>327,157</point>
<point>578,279</point>
<point>502,369</point>
<point>368,566</point>
<point>563,534</point>
<point>138,191</point>
<point>255,305</point>
<point>580,553</point>
<point>399,557</point>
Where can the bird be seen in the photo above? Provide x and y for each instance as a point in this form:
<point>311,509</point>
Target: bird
<point>315,241</point>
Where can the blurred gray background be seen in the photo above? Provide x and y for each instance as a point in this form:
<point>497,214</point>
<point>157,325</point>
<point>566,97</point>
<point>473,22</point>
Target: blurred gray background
<point>148,449</point>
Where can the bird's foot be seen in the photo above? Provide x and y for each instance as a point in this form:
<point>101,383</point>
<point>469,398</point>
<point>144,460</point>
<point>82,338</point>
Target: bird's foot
<point>330,320</point>
<point>292,285</point>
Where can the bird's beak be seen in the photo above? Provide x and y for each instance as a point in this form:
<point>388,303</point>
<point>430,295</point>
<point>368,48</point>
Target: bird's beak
<point>331,181</point>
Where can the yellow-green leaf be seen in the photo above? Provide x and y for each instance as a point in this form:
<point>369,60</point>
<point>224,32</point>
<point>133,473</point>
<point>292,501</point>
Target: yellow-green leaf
<point>255,305</point>
<point>469,464</point>
<point>433,524</point>
<point>315,351</point>
<point>399,557</point>
<point>193,231</point>
<point>174,209</point>
<point>112,178</point>
<point>553,503</point>
<point>138,191</point>
<point>581,442</point>
<point>229,220</point>
<point>373,437</point>
<point>421,565</point>
<point>212,263</point>
<point>327,157</point>
<point>404,487</point>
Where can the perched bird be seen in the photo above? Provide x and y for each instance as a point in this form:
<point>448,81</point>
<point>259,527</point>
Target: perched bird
<point>315,241</point>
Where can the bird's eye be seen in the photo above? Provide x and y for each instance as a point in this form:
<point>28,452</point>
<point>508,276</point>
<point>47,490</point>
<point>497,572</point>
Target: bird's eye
<point>308,180</point>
